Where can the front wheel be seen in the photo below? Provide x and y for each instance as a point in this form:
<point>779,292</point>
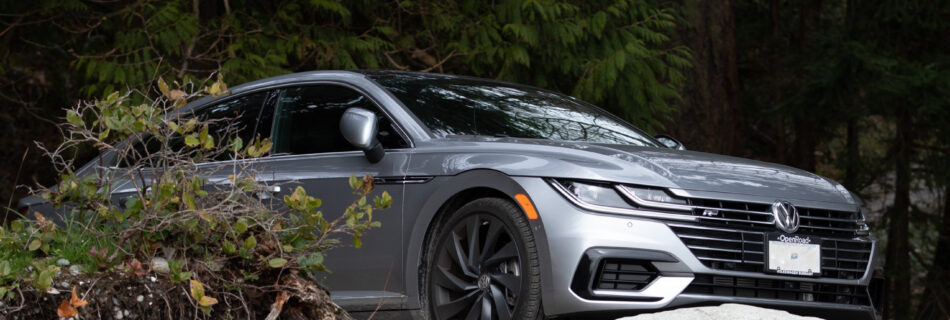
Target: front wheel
<point>482,263</point>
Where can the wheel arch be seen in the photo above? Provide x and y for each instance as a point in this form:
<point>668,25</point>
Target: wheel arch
<point>451,194</point>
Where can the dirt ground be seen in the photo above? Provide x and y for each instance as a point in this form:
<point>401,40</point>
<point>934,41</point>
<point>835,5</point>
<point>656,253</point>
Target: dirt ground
<point>110,296</point>
<point>121,296</point>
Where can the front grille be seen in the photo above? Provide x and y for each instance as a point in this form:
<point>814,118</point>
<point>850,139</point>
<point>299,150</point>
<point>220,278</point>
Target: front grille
<point>743,250</point>
<point>779,289</point>
<point>758,215</point>
<point>624,274</point>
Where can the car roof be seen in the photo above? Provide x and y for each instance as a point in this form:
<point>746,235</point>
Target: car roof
<point>291,78</point>
<point>274,82</point>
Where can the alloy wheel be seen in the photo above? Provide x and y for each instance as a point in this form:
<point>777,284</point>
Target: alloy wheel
<point>478,271</point>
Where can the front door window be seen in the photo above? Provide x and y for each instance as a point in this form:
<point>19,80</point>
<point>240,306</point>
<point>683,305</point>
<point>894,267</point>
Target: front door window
<point>308,120</point>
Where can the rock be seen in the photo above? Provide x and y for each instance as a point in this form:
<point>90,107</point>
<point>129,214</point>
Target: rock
<point>75,270</point>
<point>62,262</point>
<point>728,311</point>
<point>160,265</point>
<point>140,298</point>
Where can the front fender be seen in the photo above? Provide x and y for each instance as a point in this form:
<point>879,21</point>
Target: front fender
<point>436,194</point>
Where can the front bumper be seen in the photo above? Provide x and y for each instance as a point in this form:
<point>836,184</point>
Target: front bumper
<point>571,240</point>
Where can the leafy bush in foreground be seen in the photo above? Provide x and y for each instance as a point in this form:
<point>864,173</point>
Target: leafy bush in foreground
<point>218,237</point>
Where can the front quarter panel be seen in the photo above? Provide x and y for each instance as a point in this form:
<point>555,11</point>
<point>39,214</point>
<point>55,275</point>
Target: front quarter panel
<point>423,203</point>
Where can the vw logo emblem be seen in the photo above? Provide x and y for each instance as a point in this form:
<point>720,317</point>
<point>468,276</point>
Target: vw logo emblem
<point>786,216</point>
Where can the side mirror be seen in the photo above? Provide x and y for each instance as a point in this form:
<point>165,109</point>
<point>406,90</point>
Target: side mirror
<point>358,127</point>
<point>669,142</point>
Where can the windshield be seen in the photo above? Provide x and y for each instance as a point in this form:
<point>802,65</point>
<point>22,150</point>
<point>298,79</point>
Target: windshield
<point>466,106</point>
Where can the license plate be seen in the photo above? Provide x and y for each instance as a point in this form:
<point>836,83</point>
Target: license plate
<point>793,254</point>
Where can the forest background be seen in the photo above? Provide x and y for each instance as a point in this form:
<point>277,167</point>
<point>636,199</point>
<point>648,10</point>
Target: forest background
<point>858,91</point>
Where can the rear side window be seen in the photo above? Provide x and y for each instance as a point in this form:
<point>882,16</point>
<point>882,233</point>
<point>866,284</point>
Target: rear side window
<point>308,120</point>
<point>237,117</point>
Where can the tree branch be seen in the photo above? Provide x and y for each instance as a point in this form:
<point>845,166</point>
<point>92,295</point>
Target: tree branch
<point>439,64</point>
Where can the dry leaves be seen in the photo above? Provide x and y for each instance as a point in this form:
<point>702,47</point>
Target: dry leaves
<point>68,308</point>
<point>43,223</point>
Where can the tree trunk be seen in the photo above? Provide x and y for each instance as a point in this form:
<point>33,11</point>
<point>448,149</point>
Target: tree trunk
<point>806,129</point>
<point>897,266</point>
<point>852,158</point>
<point>935,303</point>
<point>778,148</point>
<point>709,117</point>
<point>808,22</point>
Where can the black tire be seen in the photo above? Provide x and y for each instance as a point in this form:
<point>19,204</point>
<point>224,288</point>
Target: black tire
<point>500,281</point>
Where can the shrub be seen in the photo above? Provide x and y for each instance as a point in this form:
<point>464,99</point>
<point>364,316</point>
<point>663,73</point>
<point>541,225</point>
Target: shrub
<point>216,239</point>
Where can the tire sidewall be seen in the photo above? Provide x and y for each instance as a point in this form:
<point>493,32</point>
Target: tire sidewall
<point>517,226</point>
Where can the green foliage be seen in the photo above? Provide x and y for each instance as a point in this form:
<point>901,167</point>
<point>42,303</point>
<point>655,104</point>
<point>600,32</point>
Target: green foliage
<point>616,53</point>
<point>613,53</point>
<point>176,270</point>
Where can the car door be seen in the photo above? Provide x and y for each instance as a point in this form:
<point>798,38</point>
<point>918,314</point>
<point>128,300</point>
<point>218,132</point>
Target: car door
<point>310,151</point>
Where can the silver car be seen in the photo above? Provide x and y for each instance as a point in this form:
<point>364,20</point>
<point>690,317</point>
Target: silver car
<point>513,202</point>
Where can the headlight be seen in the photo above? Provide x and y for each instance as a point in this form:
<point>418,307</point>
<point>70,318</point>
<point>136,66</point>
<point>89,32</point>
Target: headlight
<point>653,195</point>
<point>593,193</point>
<point>623,196</point>
<point>622,199</point>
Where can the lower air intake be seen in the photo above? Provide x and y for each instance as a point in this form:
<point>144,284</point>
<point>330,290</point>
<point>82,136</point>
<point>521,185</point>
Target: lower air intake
<point>779,289</point>
<point>624,274</point>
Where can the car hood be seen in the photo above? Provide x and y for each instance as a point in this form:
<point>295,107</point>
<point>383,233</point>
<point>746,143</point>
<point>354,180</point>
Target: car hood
<point>660,167</point>
<point>701,171</point>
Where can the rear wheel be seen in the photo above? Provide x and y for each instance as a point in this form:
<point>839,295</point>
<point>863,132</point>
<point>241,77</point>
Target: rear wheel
<point>482,264</point>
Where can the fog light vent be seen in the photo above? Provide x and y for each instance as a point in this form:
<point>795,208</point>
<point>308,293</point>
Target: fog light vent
<point>624,274</point>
